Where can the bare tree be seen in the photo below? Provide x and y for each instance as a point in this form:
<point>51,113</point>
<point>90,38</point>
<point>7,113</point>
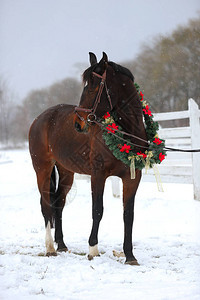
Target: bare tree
<point>66,91</point>
<point>6,111</point>
<point>168,70</point>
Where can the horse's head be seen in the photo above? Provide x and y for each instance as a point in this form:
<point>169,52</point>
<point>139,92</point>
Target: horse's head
<point>95,98</point>
<point>105,84</point>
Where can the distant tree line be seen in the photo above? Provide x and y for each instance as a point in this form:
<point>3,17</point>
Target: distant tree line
<point>66,91</point>
<point>14,129</point>
<point>168,72</point>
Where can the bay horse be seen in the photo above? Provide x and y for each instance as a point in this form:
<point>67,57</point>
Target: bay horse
<point>69,139</point>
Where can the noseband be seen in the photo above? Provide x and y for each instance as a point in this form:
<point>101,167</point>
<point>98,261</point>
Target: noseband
<point>91,111</point>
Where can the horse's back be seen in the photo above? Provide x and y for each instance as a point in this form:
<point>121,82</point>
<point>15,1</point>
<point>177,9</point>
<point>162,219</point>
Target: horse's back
<point>49,117</point>
<point>43,126</point>
<point>51,112</point>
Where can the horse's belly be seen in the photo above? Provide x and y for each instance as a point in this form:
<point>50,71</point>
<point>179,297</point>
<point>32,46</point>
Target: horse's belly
<point>73,153</point>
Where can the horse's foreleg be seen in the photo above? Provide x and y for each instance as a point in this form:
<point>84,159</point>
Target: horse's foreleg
<point>129,191</point>
<point>128,225</point>
<point>64,186</point>
<point>97,185</point>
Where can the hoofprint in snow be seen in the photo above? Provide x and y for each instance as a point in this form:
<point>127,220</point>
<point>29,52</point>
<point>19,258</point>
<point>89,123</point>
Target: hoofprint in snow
<point>166,242</point>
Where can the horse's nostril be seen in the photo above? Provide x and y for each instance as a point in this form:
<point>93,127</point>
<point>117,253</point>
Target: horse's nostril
<point>77,127</point>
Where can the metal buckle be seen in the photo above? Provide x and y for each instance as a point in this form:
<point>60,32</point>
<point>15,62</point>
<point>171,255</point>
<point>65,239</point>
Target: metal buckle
<point>91,118</point>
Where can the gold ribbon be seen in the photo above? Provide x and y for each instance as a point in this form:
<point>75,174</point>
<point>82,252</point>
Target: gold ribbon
<point>158,179</point>
<point>147,164</point>
<point>132,167</point>
<point>109,120</point>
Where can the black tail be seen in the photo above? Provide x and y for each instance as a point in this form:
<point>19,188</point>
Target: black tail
<point>53,195</point>
<point>53,180</point>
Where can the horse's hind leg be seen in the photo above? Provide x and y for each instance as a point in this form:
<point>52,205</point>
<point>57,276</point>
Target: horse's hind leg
<point>64,185</point>
<point>47,191</point>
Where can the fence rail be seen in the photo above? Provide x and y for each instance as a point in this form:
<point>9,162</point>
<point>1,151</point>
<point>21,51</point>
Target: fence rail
<point>178,166</point>
<point>181,167</point>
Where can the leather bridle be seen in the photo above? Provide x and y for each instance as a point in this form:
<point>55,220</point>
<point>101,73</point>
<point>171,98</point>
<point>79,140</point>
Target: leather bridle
<point>92,111</point>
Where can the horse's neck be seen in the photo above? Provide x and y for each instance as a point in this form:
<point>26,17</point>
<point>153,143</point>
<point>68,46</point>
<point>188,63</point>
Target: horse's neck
<point>130,116</point>
<point>131,121</point>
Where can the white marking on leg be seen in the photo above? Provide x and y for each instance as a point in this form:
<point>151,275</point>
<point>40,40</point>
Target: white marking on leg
<point>93,251</point>
<point>49,241</point>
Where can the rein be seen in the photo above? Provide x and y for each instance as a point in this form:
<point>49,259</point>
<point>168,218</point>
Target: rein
<point>169,149</point>
<point>123,132</point>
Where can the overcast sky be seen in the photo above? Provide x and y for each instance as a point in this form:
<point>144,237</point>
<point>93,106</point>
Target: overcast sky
<point>42,40</point>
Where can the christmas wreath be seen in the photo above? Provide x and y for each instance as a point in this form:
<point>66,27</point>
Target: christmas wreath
<point>114,139</point>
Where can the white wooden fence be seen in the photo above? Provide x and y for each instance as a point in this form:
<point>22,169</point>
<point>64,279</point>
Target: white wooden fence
<point>178,166</point>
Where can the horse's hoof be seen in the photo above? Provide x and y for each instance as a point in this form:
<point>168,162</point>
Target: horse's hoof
<point>132,262</point>
<point>51,254</point>
<point>90,257</point>
<point>62,249</point>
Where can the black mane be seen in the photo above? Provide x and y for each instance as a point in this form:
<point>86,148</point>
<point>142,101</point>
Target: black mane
<point>117,68</point>
<point>122,70</point>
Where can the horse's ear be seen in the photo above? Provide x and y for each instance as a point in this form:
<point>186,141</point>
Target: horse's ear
<point>105,57</point>
<point>103,62</point>
<point>93,59</point>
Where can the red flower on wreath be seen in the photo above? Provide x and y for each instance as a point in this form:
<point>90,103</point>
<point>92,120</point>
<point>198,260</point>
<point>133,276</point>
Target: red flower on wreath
<point>141,96</point>
<point>112,127</point>
<point>157,141</point>
<point>142,154</point>
<point>125,148</point>
<point>107,115</point>
<point>161,157</point>
<point>147,111</point>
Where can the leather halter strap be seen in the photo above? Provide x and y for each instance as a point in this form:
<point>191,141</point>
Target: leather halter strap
<point>92,110</point>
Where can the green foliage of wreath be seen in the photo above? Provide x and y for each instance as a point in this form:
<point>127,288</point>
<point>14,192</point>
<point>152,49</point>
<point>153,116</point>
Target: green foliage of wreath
<point>112,136</point>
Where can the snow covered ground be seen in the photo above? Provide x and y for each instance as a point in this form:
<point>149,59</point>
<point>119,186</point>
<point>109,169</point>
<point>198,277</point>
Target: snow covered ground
<point>166,242</point>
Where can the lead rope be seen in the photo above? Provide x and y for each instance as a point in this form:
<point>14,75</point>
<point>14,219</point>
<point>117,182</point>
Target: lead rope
<point>140,139</point>
<point>132,158</point>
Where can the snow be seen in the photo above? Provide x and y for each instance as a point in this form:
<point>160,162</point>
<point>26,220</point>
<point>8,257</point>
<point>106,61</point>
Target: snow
<point>166,242</point>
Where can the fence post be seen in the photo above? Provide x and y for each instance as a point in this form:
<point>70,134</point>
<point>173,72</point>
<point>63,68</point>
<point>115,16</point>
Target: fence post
<point>115,186</point>
<point>195,141</point>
